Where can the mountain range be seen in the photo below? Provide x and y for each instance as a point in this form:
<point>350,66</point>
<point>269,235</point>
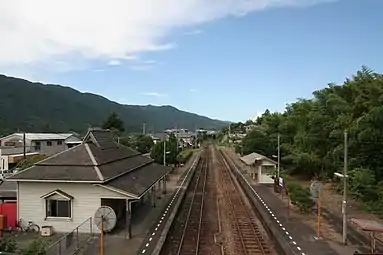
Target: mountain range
<point>36,107</point>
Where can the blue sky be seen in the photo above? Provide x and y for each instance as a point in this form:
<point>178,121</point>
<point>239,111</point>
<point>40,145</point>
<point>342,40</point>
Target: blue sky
<point>229,67</point>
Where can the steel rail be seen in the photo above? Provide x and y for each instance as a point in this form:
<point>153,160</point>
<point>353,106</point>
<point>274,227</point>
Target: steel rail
<point>202,202</point>
<point>229,179</point>
<point>192,205</point>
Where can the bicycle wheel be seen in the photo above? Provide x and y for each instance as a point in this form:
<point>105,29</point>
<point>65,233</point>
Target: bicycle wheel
<point>34,228</point>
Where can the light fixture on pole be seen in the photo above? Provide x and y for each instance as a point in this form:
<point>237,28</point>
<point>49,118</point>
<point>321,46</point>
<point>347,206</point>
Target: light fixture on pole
<point>344,176</point>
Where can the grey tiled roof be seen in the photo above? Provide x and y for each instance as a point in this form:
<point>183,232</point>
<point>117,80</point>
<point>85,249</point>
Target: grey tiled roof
<point>139,181</point>
<point>103,162</point>
<point>8,189</point>
<point>126,165</point>
<point>76,156</point>
<point>252,157</point>
<point>105,156</point>
<point>58,173</point>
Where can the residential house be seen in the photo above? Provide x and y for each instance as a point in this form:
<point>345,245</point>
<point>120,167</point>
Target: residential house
<point>66,189</point>
<point>186,139</point>
<point>159,137</point>
<point>262,167</point>
<point>44,143</point>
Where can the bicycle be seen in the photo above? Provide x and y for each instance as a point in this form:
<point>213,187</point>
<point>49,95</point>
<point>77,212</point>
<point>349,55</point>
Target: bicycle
<point>30,227</point>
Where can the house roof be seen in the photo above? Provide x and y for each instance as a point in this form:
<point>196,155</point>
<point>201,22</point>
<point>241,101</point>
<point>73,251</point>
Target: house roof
<point>57,192</point>
<point>139,181</point>
<point>8,189</point>
<point>42,136</point>
<point>99,160</point>
<point>252,157</point>
<point>159,136</point>
<point>185,135</point>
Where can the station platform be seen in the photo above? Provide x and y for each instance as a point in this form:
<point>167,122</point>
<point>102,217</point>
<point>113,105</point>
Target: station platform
<point>299,237</point>
<point>146,219</point>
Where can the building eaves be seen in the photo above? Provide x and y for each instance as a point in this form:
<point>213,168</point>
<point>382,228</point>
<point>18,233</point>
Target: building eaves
<point>44,136</point>
<point>58,192</point>
<point>139,181</point>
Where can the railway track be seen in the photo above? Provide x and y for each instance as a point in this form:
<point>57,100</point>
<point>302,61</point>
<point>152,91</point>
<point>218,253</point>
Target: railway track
<point>248,239</point>
<point>197,229</point>
<point>210,225</point>
<point>185,234</point>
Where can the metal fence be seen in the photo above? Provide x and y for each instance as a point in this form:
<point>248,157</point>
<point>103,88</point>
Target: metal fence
<point>72,242</point>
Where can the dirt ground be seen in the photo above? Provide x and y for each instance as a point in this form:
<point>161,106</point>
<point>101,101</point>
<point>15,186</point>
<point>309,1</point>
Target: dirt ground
<point>332,201</point>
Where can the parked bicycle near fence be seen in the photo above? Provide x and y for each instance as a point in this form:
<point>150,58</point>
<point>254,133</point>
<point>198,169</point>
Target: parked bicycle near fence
<point>29,227</point>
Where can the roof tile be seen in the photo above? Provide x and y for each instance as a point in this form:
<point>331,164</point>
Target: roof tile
<point>139,181</point>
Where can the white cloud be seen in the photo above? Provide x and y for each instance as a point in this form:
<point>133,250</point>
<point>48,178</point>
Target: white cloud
<point>114,62</point>
<point>42,31</point>
<point>140,67</point>
<point>154,94</point>
<point>143,65</point>
<point>194,32</point>
<point>192,90</point>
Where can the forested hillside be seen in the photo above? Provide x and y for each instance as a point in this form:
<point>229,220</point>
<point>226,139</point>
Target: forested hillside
<point>312,135</point>
<point>49,108</point>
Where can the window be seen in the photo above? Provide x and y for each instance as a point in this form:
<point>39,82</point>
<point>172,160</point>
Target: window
<point>58,204</point>
<point>37,146</point>
<point>59,208</point>
<point>59,142</point>
<point>10,144</point>
<point>49,143</point>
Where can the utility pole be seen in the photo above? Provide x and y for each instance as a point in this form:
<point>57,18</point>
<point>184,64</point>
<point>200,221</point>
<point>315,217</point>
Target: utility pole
<point>165,152</point>
<point>279,154</point>
<point>24,147</point>
<point>144,128</point>
<point>344,204</point>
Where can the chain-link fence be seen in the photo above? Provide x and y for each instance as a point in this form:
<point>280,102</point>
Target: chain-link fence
<point>73,241</point>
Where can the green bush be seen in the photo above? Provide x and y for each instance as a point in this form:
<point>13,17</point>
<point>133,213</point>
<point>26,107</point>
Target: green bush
<point>300,196</point>
<point>8,244</point>
<point>37,247</point>
<point>184,156</point>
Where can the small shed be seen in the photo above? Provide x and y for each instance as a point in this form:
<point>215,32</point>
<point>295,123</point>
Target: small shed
<point>263,168</point>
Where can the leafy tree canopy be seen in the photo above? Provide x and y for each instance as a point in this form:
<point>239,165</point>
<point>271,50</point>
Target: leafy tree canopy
<point>171,150</point>
<point>113,122</point>
<point>30,161</point>
<point>139,142</point>
<point>312,133</point>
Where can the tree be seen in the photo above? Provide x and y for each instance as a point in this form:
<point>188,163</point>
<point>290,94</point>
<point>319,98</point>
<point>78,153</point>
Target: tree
<point>157,152</point>
<point>312,134</point>
<point>142,143</point>
<point>113,122</point>
<point>28,162</point>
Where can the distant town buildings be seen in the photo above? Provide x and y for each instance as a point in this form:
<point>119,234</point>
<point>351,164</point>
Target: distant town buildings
<point>16,146</point>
